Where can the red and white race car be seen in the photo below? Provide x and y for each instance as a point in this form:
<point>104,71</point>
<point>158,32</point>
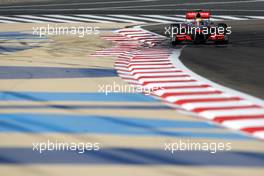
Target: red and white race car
<point>198,28</point>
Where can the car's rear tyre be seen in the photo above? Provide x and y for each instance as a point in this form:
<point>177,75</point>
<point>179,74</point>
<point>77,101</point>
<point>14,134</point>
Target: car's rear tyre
<point>199,39</point>
<point>226,41</point>
<point>222,42</point>
<point>176,30</point>
<point>176,42</point>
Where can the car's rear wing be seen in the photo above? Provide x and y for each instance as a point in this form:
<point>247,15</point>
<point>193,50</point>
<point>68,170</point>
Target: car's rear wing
<point>192,15</point>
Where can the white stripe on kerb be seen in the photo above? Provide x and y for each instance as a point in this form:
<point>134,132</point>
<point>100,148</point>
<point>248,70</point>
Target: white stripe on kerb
<point>21,19</point>
<point>137,75</point>
<point>256,17</point>
<point>230,17</point>
<point>245,123</point>
<point>142,18</point>
<point>211,114</point>
<point>191,106</point>
<point>142,80</point>
<point>259,134</point>
<point>172,84</point>
<point>190,97</point>
<point>109,18</point>
<point>48,19</point>
<point>166,17</point>
<point>76,19</point>
<point>7,21</point>
<point>194,90</point>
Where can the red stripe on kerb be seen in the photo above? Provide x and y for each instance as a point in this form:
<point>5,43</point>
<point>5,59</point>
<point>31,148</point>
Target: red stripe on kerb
<point>178,81</point>
<point>225,108</point>
<point>181,102</point>
<point>152,68</point>
<point>186,87</point>
<point>150,64</point>
<point>170,76</point>
<point>221,119</point>
<point>190,93</point>
<point>253,129</point>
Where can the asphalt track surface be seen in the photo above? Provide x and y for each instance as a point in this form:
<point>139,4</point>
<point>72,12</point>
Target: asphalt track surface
<point>238,65</point>
<point>226,7</point>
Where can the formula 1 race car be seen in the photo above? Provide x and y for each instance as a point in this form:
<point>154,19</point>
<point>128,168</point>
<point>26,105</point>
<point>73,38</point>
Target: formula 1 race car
<point>198,28</point>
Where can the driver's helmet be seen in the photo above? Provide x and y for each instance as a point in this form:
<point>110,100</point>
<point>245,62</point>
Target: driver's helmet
<point>198,19</point>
